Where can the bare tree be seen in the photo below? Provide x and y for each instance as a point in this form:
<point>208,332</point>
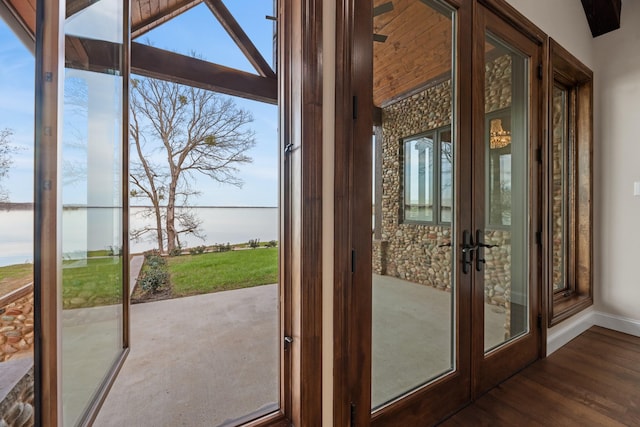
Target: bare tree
<point>6,150</point>
<point>179,132</point>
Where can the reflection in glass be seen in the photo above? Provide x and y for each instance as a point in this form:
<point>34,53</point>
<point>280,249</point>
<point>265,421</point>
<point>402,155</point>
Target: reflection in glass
<point>506,270</point>
<point>92,214</point>
<point>418,182</point>
<point>559,190</point>
<point>446,176</point>
<point>413,292</point>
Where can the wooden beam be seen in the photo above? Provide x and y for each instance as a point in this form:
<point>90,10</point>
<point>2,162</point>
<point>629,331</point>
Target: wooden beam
<point>240,37</point>
<point>150,61</point>
<point>153,21</point>
<point>92,55</point>
<point>603,15</point>
<point>75,6</point>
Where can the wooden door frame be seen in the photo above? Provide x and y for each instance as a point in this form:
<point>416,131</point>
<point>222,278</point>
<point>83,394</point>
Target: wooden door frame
<point>352,288</point>
<point>499,14</point>
<point>352,257</point>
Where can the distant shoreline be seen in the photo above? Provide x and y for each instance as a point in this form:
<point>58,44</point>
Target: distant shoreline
<point>10,206</point>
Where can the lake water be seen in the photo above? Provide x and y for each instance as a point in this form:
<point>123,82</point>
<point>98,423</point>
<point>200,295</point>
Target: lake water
<point>219,225</point>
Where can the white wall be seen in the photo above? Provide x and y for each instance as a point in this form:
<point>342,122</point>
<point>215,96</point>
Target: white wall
<point>564,21</point>
<point>615,60</point>
<point>617,166</point>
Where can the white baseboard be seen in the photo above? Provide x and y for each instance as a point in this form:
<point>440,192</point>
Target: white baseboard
<point>574,326</point>
<point>617,323</point>
<point>569,329</point>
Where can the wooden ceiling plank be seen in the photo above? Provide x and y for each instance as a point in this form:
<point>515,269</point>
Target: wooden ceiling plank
<point>164,65</point>
<point>240,38</point>
<point>76,6</point>
<point>147,21</point>
<point>24,12</point>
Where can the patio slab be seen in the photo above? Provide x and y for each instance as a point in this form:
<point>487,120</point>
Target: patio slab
<point>209,359</point>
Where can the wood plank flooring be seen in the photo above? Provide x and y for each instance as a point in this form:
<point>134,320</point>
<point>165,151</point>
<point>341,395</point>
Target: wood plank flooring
<point>592,381</point>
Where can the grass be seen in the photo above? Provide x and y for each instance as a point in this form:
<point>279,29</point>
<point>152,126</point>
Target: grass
<point>222,271</point>
<point>92,282</point>
<point>13,277</point>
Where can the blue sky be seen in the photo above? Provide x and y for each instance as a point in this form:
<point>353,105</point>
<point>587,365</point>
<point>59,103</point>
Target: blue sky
<point>195,32</point>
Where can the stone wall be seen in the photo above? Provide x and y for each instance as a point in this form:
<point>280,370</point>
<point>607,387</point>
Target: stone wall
<point>412,251</point>
<point>557,191</point>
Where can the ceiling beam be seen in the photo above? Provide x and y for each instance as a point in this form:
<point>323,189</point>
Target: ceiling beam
<point>155,20</point>
<point>240,37</point>
<point>22,26</point>
<point>161,64</point>
<point>603,15</point>
<point>75,6</point>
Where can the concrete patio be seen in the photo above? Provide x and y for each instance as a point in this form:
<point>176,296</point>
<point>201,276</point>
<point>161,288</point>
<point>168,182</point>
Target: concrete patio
<point>209,360</point>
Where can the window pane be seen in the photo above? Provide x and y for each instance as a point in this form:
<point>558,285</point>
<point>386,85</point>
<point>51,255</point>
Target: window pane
<point>418,179</point>
<point>413,325</point>
<point>92,213</point>
<point>558,188</point>
<point>446,176</point>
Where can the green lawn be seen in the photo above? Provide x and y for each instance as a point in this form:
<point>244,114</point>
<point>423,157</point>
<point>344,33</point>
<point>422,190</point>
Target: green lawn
<point>15,276</point>
<point>221,271</point>
<point>92,282</point>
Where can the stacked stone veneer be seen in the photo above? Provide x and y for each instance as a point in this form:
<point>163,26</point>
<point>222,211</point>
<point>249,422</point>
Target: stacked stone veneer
<point>556,191</point>
<point>411,251</point>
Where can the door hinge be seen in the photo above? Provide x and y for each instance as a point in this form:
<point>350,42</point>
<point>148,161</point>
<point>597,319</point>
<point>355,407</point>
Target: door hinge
<point>353,415</point>
<point>539,155</point>
<point>539,71</point>
<point>355,107</point>
<point>539,321</point>
<point>287,342</point>
<point>353,260</point>
<point>538,237</point>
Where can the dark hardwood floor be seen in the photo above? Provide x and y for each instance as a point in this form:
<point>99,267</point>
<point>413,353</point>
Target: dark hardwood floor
<point>592,381</point>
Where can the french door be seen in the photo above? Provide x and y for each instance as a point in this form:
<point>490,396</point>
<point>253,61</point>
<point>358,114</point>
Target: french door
<point>454,284</point>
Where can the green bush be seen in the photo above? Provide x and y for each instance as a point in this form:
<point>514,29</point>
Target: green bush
<point>155,274</point>
<point>154,279</point>
<point>271,243</point>
<point>197,250</point>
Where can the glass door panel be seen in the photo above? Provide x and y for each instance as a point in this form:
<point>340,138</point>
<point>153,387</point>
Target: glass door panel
<point>506,176</point>
<point>92,203</point>
<point>414,290</point>
<point>505,215</point>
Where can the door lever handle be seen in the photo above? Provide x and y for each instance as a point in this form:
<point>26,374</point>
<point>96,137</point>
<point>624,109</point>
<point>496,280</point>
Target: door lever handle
<point>479,246</point>
<point>468,247</point>
<point>445,245</point>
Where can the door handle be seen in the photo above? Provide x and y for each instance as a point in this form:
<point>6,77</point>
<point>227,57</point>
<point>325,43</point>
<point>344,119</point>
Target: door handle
<point>480,246</point>
<point>468,247</point>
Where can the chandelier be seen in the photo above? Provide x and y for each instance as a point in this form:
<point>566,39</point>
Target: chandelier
<point>498,137</point>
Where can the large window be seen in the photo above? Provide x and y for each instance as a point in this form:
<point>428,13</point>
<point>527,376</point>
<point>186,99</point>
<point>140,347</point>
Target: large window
<point>569,186</point>
<point>428,177</point>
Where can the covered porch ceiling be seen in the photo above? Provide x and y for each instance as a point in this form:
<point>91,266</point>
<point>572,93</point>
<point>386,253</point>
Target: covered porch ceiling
<point>95,55</point>
<point>411,46</point>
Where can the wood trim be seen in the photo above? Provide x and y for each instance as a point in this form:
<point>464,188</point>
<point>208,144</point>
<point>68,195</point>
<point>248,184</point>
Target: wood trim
<point>140,28</point>
<point>352,202</point>
<point>514,18</point>
<point>300,30</point>
<point>18,24</point>
<point>567,69</point>
<point>492,368</point>
<point>161,64</point>
<point>241,38</point>
<point>47,216</point>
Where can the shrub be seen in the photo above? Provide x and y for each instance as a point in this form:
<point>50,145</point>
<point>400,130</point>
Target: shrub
<point>177,251</point>
<point>153,279</point>
<point>271,243</point>
<point>254,243</point>
<point>197,250</point>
